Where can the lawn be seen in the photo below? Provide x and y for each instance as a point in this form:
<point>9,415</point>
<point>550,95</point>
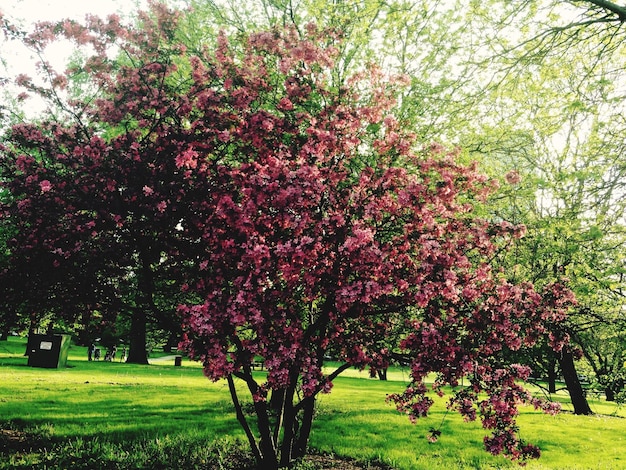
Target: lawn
<point>114,415</point>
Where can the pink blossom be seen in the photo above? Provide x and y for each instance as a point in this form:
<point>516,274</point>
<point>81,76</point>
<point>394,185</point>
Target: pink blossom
<point>187,159</point>
<point>513,177</point>
<point>285,104</point>
<point>45,186</point>
<point>267,125</point>
<point>223,136</point>
<point>303,235</point>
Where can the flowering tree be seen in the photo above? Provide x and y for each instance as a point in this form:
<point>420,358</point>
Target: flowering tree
<point>91,192</point>
<point>299,219</point>
<point>326,226</point>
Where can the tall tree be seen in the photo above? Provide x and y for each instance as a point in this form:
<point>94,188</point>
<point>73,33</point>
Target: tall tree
<point>564,118</point>
<point>92,190</point>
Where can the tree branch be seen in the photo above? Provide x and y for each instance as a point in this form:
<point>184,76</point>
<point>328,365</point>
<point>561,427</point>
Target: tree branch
<point>242,418</point>
<point>610,7</point>
<point>319,387</point>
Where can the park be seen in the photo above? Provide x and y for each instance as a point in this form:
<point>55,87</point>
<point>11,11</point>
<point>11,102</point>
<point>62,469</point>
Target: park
<point>314,234</point>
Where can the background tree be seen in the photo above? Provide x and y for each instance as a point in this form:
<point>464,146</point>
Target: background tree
<point>566,114</point>
<point>88,187</point>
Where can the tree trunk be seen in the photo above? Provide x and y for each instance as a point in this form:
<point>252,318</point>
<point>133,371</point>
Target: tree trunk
<point>610,394</point>
<point>267,447</point>
<point>31,332</point>
<point>290,427</point>
<point>552,376</point>
<point>172,343</point>
<point>137,353</point>
<point>277,400</point>
<point>305,430</point>
<point>145,286</point>
<point>84,334</point>
<point>242,420</point>
<point>576,392</point>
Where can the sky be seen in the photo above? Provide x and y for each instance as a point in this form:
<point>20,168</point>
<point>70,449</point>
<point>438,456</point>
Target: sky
<point>25,12</point>
<point>33,10</point>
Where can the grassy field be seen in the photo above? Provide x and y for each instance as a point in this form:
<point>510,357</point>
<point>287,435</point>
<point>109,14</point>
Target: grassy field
<point>114,415</point>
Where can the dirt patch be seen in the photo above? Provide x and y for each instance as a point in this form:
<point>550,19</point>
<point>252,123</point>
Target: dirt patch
<point>337,463</point>
<point>12,440</point>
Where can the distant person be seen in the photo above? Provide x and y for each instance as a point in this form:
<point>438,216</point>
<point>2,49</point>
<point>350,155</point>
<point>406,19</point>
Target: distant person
<point>96,354</point>
<point>110,354</point>
<point>90,351</point>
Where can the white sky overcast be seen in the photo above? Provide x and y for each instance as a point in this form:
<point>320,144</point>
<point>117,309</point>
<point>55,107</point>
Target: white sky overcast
<point>25,12</point>
<point>35,10</point>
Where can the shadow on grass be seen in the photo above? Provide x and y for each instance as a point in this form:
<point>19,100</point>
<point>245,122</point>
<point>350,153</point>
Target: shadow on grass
<point>123,434</point>
<point>119,420</point>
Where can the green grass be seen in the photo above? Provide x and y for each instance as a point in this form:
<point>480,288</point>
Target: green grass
<point>114,415</point>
